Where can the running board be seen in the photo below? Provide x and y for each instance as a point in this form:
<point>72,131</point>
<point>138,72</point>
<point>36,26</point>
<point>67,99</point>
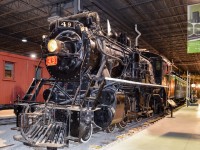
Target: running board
<point>134,83</point>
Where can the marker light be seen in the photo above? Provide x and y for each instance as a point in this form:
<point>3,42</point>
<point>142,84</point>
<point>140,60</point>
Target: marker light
<point>53,45</point>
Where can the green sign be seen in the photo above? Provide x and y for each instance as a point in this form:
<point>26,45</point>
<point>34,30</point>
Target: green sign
<point>193,29</point>
<point>193,46</point>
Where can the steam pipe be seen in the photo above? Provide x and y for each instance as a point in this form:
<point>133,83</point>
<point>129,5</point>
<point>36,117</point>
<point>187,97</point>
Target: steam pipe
<point>139,34</point>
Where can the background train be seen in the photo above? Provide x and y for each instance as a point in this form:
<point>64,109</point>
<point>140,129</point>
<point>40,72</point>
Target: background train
<point>177,88</point>
<point>16,74</point>
<point>97,80</point>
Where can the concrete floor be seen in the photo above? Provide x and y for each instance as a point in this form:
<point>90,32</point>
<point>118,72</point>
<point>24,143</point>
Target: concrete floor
<point>179,133</point>
<point>7,113</point>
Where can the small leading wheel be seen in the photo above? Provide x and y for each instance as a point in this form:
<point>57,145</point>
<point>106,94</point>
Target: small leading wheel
<point>87,135</point>
<point>110,128</point>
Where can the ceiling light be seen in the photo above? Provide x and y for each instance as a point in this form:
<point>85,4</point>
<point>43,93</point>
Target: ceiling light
<point>24,40</point>
<point>33,55</point>
<point>44,36</point>
<point>193,85</point>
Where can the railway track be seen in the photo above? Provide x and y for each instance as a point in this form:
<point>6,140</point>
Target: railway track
<point>7,121</point>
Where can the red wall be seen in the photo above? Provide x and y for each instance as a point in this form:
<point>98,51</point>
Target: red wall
<point>24,70</point>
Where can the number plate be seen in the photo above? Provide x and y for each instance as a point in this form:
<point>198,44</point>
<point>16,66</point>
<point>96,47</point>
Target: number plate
<point>51,61</point>
<point>67,24</point>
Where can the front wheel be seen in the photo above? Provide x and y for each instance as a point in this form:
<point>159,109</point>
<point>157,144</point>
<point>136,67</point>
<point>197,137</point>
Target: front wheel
<point>87,134</point>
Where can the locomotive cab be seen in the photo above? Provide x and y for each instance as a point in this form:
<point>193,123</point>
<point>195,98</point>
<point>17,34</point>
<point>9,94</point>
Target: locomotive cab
<point>157,63</point>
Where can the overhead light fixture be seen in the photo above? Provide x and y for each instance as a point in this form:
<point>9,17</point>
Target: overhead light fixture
<point>24,40</point>
<point>44,37</point>
<point>33,55</point>
<point>193,85</point>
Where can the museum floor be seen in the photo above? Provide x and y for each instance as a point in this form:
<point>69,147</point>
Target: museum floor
<point>182,132</point>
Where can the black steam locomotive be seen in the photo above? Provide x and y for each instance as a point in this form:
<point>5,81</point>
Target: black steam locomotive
<point>98,81</point>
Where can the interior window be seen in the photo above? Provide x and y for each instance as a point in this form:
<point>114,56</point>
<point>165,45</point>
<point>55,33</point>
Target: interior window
<point>158,65</point>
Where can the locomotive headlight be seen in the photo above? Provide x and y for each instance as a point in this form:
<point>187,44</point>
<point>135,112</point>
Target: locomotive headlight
<point>53,45</point>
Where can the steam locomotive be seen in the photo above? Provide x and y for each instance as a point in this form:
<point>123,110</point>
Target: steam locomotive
<point>97,81</point>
